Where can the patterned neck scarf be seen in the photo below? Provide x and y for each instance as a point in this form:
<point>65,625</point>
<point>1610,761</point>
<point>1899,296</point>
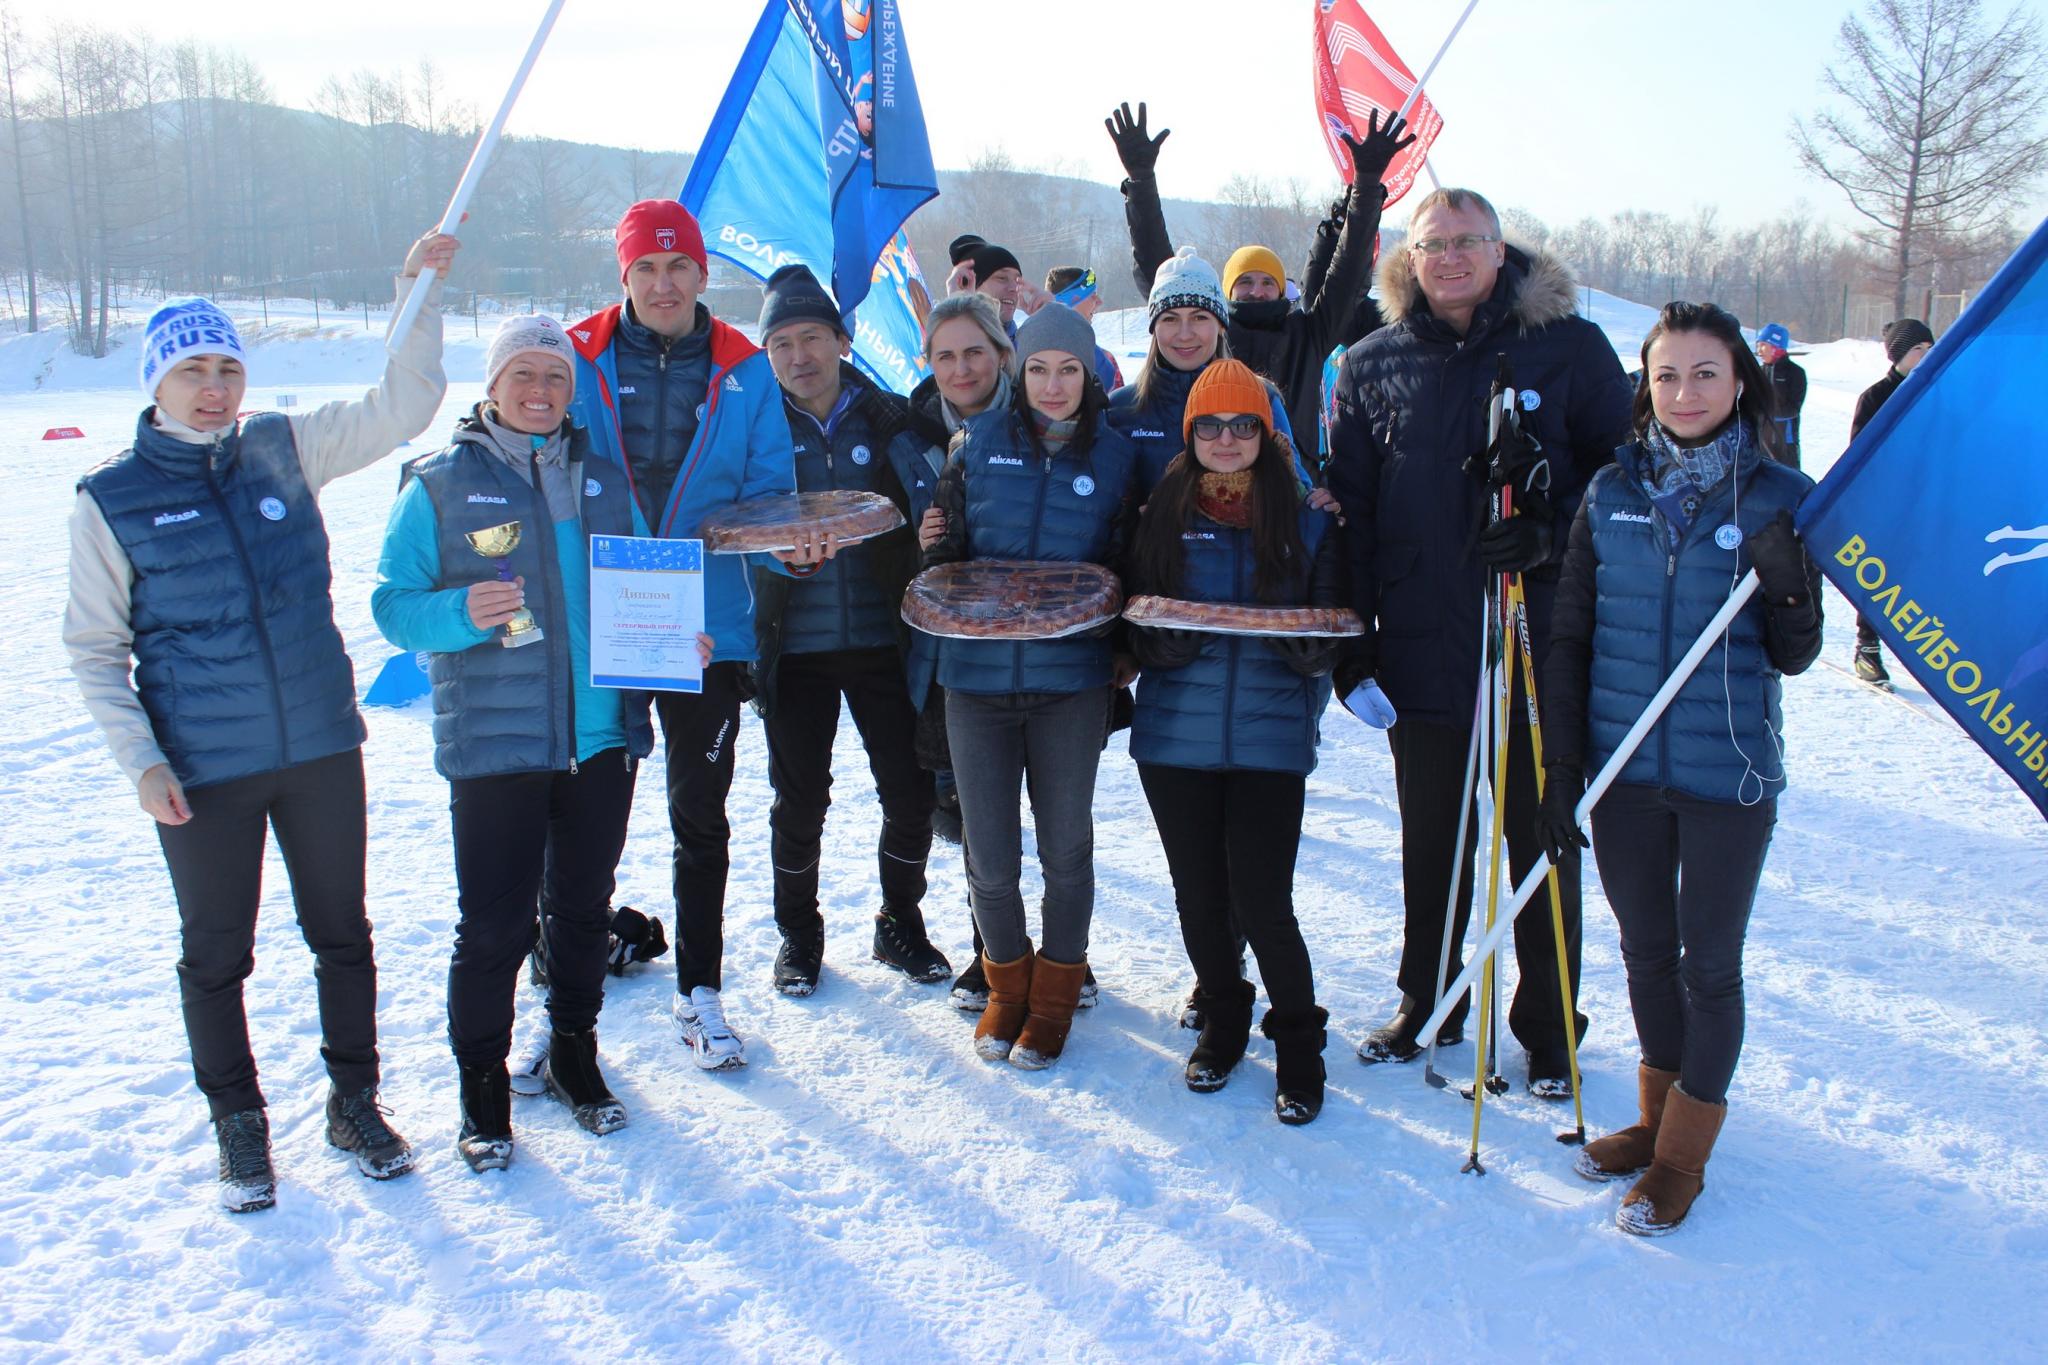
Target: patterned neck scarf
<point>1701,466</point>
<point>1054,436</point>
<point>1226,499</point>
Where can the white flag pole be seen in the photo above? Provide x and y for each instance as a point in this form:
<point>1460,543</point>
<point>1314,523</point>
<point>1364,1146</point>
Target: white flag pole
<point>1430,70</point>
<point>458,202</point>
<point>1630,742</point>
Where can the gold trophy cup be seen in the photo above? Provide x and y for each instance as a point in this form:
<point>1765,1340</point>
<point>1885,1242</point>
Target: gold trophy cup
<point>497,543</point>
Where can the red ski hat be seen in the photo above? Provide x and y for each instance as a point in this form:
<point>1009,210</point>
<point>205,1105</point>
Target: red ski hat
<point>655,225</point>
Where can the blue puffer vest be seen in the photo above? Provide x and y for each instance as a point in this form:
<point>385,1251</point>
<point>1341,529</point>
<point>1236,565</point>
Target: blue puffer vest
<point>1024,505</point>
<point>237,660</point>
<point>845,604</point>
<point>1237,705</point>
<point>499,710</point>
<point>1720,740</point>
<point>1155,429</point>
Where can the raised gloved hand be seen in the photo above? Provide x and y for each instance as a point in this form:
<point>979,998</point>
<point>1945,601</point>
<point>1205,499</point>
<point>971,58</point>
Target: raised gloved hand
<point>1557,821</point>
<point>1373,153</point>
<point>1780,560</point>
<point>1309,655</point>
<point>1161,647</point>
<point>1134,147</point>
<point>1516,544</point>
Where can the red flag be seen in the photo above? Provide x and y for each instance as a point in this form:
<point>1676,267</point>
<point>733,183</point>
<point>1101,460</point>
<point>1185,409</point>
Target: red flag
<point>1357,71</point>
<point>63,434</point>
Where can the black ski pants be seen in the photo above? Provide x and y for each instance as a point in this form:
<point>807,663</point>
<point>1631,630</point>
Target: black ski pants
<point>1429,774</point>
<point>1231,837</point>
<point>216,863</point>
<point>1681,874</point>
<point>699,731</point>
<point>556,836</point>
<point>800,730</point>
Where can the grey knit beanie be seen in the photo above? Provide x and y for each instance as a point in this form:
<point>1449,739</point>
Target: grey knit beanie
<point>1056,327</point>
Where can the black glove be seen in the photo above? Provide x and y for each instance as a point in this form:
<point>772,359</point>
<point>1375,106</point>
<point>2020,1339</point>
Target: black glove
<point>1780,561</point>
<point>1309,655</point>
<point>634,938</point>
<point>1557,822</point>
<point>1516,544</point>
<point>1376,151</point>
<point>1138,152</point>
<point>1355,663</point>
<point>1160,647</point>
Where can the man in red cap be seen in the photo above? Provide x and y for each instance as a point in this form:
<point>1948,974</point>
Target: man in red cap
<point>690,407</point>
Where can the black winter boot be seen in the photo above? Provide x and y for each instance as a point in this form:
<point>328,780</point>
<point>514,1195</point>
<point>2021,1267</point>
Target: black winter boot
<point>1298,1041</point>
<point>247,1180</point>
<point>799,960</point>
<point>355,1123</point>
<point>1226,1028</point>
<point>902,942</point>
<point>634,937</point>
<point>572,1076</point>
<point>970,988</point>
<point>485,1141</point>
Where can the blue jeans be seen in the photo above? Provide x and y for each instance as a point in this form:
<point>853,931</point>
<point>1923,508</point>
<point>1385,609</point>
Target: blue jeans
<point>1052,741</point>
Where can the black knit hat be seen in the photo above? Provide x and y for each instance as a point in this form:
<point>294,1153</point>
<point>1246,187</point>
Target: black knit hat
<point>987,257</point>
<point>794,295</point>
<point>1903,335</point>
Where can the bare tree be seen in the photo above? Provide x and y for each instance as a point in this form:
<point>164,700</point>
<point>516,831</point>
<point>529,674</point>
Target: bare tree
<point>11,55</point>
<point>1942,130</point>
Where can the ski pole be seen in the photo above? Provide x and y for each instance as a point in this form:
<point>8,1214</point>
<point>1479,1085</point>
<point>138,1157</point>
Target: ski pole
<point>1577,1137</point>
<point>1605,778</point>
<point>1430,1075</point>
<point>458,203</point>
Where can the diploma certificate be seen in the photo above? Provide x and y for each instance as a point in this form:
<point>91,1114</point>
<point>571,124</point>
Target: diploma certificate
<point>646,608</point>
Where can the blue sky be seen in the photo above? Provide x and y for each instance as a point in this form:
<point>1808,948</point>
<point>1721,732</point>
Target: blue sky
<point>1562,107</point>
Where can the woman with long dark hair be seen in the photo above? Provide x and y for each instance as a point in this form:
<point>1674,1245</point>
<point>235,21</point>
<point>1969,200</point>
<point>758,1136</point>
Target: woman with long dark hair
<point>1225,729</point>
<point>1042,479</point>
<point>1690,505</point>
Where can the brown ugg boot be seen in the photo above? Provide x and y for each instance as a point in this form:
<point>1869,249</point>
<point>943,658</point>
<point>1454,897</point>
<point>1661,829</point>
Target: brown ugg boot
<point>1055,992</point>
<point>1009,995</point>
<point>1677,1174</point>
<point>1628,1151</point>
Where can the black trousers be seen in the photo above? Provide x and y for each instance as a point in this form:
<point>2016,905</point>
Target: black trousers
<point>1429,772</point>
<point>1681,874</point>
<point>1231,837</point>
<point>216,863</point>
<point>800,731</point>
<point>555,836</point>
<point>699,732</point>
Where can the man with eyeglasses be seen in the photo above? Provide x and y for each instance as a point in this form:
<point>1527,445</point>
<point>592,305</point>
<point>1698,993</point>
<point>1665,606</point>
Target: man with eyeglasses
<point>1410,417</point>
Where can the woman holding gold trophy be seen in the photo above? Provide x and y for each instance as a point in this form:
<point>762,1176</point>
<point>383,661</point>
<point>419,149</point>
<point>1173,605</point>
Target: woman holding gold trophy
<point>486,567</point>
<point>199,558</point>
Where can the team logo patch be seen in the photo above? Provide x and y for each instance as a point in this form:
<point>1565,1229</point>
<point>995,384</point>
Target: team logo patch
<point>272,509</point>
<point>1083,485</point>
<point>591,488</point>
<point>665,238</point>
<point>1531,400</point>
<point>1728,536</point>
<point>861,455</point>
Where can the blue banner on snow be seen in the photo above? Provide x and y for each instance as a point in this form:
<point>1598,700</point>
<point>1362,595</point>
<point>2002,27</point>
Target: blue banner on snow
<point>1934,524</point>
<point>816,156</point>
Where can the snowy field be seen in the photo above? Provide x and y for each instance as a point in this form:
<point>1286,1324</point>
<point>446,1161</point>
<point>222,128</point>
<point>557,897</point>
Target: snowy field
<point>868,1190</point>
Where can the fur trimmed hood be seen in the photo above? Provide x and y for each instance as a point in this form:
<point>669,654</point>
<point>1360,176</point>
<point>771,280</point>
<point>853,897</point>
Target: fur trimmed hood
<point>1544,288</point>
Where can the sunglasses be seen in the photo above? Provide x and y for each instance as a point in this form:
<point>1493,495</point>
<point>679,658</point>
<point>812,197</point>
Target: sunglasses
<point>1243,428</point>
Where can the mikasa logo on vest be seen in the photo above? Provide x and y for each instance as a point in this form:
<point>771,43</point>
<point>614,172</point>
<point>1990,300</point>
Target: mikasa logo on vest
<point>1005,459</point>
<point>172,518</point>
<point>490,497</point>
<point>1629,516</point>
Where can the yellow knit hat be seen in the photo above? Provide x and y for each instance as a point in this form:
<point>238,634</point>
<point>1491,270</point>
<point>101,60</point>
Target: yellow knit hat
<point>1252,258</point>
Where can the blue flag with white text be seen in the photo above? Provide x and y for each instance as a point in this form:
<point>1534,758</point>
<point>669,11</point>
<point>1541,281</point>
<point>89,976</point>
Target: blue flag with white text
<point>817,155</point>
<point>1934,524</point>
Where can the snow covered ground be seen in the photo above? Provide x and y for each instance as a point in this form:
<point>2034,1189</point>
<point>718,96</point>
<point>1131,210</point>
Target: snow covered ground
<point>867,1189</point>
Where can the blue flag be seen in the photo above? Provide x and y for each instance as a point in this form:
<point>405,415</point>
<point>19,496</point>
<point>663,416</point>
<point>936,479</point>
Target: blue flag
<point>1934,524</point>
<point>816,156</point>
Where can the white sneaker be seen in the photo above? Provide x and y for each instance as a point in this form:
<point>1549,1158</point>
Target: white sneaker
<point>700,1021</point>
<point>524,1073</point>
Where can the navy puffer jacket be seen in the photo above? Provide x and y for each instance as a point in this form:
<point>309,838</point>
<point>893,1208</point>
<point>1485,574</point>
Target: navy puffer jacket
<point>1629,605</point>
<point>237,659</point>
<point>1238,705</point>
<point>1006,498</point>
<point>1410,410</point>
